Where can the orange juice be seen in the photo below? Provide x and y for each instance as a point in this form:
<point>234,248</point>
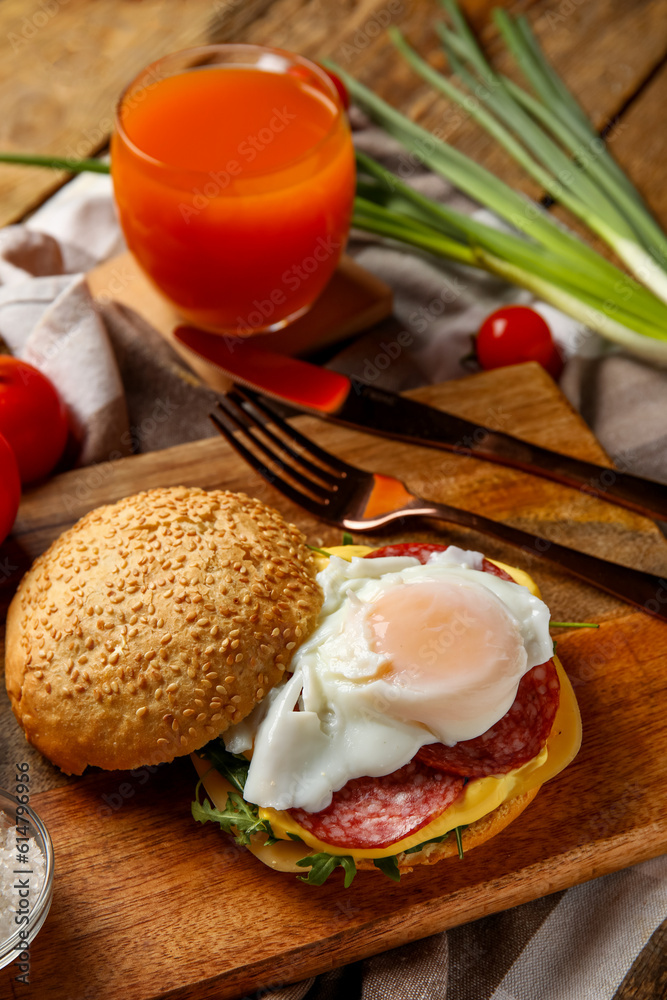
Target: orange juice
<point>234,182</point>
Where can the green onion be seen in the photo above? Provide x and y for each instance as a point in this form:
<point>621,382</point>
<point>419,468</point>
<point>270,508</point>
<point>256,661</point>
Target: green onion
<point>593,186</point>
<point>394,194</point>
<point>56,163</point>
<point>566,157</point>
<point>586,292</point>
<point>320,552</point>
<point>573,625</point>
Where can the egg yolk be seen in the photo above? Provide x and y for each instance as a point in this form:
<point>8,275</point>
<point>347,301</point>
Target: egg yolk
<point>447,639</point>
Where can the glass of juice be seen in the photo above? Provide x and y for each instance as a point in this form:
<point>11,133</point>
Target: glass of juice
<point>233,172</point>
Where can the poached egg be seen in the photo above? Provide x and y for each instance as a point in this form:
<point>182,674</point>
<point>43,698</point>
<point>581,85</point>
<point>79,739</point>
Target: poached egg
<point>404,654</point>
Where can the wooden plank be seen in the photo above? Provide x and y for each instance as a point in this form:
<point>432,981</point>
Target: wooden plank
<point>642,151</point>
<point>137,882</point>
<point>62,96</point>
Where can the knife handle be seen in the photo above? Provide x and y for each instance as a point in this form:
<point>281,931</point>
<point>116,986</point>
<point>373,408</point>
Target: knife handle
<point>644,590</point>
<point>641,495</point>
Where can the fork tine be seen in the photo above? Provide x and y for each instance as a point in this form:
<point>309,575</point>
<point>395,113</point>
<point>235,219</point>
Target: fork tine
<point>226,426</point>
<point>247,423</point>
<point>337,465</point>
<point>233,418</point>
<point>327,478</point>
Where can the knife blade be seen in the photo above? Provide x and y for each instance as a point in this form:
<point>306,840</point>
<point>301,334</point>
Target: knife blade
<point>365,407</point>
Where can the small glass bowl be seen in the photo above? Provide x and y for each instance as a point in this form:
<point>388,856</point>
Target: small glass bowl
<point>11,947</point>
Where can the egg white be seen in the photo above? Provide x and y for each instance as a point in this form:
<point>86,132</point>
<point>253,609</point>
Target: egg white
<point>358,713</point>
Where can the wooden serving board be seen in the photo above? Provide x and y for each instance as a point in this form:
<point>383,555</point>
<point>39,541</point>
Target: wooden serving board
<point>149,905</point>
<point>353,301</point>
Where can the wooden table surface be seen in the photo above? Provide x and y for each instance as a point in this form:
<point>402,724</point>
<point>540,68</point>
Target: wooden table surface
<point>64,63</point>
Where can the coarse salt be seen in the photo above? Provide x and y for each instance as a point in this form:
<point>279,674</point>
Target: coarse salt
<point>9,897</point>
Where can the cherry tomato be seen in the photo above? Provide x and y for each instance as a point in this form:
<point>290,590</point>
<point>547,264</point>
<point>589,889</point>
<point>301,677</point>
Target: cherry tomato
<point>32,418</point>
<point>301,73</point>
<point>515,334</point>
<point>10,488</point>
<point>340,87</point>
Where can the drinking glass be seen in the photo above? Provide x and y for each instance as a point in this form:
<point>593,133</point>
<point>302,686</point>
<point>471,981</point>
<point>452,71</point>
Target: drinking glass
<point>233,172</point>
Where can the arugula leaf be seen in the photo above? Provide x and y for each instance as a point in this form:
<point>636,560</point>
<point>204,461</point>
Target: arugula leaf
<point>459,841</point>
<point>238,817</point>
<point>573,625</point>
<point>388,867</point>
<point>347,538</point>
<point>232,766</point>
<point>433,840</point>
<point>322,865</point>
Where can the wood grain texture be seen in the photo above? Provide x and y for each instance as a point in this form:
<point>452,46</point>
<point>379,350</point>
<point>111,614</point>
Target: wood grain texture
<point>62,70</point>
<point>137,882</point>
<point>353,301</point>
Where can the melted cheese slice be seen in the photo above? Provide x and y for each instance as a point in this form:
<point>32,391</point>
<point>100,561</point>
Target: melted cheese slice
<point>481,795</point>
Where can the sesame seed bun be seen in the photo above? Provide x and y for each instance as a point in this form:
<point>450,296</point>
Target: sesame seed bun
<point>155,623</point>
<point>472,836</point>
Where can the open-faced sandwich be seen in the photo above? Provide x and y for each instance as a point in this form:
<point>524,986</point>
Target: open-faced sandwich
<point>364,708</point>
<point>415,722</point>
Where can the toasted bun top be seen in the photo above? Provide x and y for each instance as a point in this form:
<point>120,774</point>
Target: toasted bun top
<point>155,623</point>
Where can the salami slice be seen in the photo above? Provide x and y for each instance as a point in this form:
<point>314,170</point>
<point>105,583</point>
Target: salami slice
<point>513,740</point>
<point>423,550</point>
<point>377,812</point>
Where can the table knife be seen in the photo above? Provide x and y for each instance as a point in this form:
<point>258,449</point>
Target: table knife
<point>357,404</point>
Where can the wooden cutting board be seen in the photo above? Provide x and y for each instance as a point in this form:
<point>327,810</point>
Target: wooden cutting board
<point>149,904</point>
<point>353,301</point>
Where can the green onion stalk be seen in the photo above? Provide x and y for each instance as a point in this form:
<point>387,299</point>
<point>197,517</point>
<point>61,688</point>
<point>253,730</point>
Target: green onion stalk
<point>591,185</point>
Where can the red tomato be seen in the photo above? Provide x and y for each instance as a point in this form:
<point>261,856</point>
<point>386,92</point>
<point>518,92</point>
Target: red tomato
<point>515,334</point>
<point>302,73</point>
<point>340,87</point>
<point>10,488</point>
<point>32,418</point>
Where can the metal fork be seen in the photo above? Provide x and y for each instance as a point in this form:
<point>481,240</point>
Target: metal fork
<point>360,501</point>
